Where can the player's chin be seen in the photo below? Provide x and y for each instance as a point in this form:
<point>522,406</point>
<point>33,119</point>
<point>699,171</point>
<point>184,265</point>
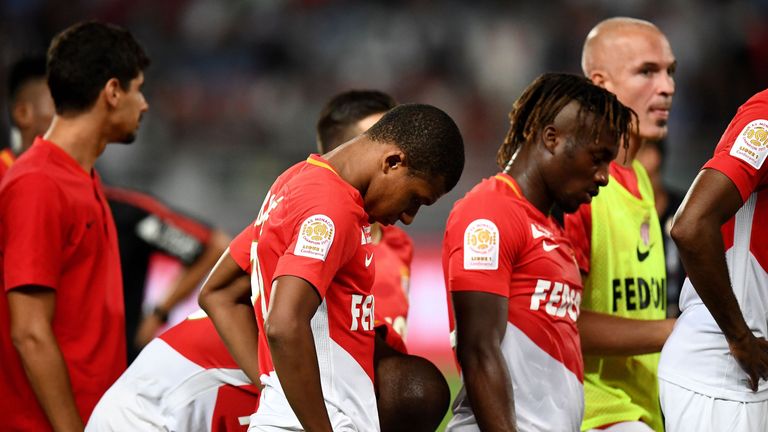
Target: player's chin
<point>573,204</point>
<point>128,138</point>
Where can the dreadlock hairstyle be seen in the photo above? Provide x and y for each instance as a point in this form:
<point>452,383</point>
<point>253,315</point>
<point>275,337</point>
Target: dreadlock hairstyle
<point>545,97</point>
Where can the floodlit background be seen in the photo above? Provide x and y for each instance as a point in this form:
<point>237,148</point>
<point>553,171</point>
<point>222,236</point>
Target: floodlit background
<point>235,87</point>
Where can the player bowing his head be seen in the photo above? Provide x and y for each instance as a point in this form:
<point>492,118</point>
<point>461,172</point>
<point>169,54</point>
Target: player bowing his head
<point>514,284</point>
<point>310,256</point>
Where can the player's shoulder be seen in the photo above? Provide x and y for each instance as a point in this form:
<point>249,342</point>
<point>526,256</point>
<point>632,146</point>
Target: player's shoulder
<point>489,200</point>
<point>28,181</point>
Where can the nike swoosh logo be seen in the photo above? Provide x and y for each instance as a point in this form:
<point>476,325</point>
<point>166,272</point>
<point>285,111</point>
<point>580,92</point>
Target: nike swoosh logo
<point>368,259</point>
<point>549,247</point>
<point>641,256</point>
<point>536,232</point>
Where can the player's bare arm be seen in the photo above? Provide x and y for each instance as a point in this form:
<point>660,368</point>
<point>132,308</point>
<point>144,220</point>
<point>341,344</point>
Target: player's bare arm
<point>603,334</point>
<point>31,314</point>
<point>229,306</point>
<point>481,319</point>
<point>711,201</point>
<point>292,305</point>
<point>190,278</point>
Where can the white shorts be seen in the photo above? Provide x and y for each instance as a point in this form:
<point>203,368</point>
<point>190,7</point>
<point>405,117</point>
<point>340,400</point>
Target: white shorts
<point>633,426</point>
<point>685,410</point>
<point>164,391</point>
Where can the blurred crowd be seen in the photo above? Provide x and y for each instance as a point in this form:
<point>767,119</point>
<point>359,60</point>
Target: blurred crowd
<point>235,86</point>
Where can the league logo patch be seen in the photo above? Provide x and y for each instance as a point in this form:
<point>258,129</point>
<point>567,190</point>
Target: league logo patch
<point>751,146</point>
<point>315,237</point>
<point>481,246</point>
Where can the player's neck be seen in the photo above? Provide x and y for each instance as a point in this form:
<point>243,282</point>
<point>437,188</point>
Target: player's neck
<point>353,162</point>
<point>80,137</point>
<point>525,171</point>
<point>626,156</point>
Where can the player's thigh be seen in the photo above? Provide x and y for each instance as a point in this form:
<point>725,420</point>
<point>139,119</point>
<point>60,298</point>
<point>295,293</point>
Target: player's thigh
<point>633,426</point>
<point>685,410</point>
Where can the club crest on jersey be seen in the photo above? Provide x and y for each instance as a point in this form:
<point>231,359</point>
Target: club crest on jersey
<point>751,146</point>
<point>315,237</point>
<point>481,246</point>
<point>645,232</point>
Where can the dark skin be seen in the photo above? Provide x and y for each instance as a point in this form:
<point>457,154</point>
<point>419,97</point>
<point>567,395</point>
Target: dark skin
<point>481,318</point>
<point>229,306</point>
<point>390,193</point>
<point>712,200</point>
<point>292,304</point>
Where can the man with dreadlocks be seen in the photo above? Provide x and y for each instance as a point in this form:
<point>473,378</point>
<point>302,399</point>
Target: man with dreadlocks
<point>515,286</point>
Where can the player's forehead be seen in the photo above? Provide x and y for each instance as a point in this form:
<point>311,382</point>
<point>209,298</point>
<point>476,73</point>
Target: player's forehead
<point>638,45</point>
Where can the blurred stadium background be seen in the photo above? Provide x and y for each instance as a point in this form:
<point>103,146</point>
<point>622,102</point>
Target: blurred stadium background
<point>235,88</point>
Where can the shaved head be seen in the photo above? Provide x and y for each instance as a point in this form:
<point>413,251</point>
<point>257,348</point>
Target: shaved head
<point>633,59</point>
<point>605,36</point>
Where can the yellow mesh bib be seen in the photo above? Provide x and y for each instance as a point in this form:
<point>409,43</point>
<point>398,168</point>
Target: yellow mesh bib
<point>627,278</point>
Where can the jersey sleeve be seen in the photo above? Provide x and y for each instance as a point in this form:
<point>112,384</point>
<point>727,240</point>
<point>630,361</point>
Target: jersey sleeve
<point>324,238</point>
<point>578,229</point>
<point>483,242</point>
<point>34,226</point>
<point>240,247</point>
<point>743,148</point>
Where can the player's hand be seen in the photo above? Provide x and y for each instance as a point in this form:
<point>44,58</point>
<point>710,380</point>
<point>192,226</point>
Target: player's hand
<point>149,327</point>
<point>752,355</point>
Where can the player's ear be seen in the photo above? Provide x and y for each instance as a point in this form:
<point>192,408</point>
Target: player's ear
<point>22,114</point>
<point>599,78</point>
<point>393,160</point>
<point>112,92</point>
<point>549,138</point>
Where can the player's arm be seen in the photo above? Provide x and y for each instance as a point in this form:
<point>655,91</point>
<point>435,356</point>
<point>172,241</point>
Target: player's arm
<point>480,325</point>
<point>292,305</point>
<point>190,278</point>
<point>229,306</point>
<point>31,314</point>
<point>712,200</point>
<point>603,334</point>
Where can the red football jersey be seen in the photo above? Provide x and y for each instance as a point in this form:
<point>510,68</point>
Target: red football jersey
<point>312,225</point>
<point>56,231</point>
<point>393,256</point>
<point>497,242</point>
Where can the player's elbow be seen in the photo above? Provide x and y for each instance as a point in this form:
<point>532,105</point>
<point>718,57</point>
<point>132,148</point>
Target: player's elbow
<point>28,339</point>
<point>281,332</point>
<point>684,231</point>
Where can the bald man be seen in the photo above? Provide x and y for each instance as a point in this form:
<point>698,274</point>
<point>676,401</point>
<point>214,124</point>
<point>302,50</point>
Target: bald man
<point>618,239</point>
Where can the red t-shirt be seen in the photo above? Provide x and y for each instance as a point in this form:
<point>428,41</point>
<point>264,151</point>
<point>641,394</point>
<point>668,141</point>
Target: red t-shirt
<point>393,256</point>
<point>312,225</point>
<point>497,242</point>
<point>56,231</point>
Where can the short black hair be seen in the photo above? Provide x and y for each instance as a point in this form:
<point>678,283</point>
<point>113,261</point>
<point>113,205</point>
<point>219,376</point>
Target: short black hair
<point>547,95</point>
<point>430,139</point>
<point>343,111</point>
<point>82,58</point>
<point>25,69</point>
